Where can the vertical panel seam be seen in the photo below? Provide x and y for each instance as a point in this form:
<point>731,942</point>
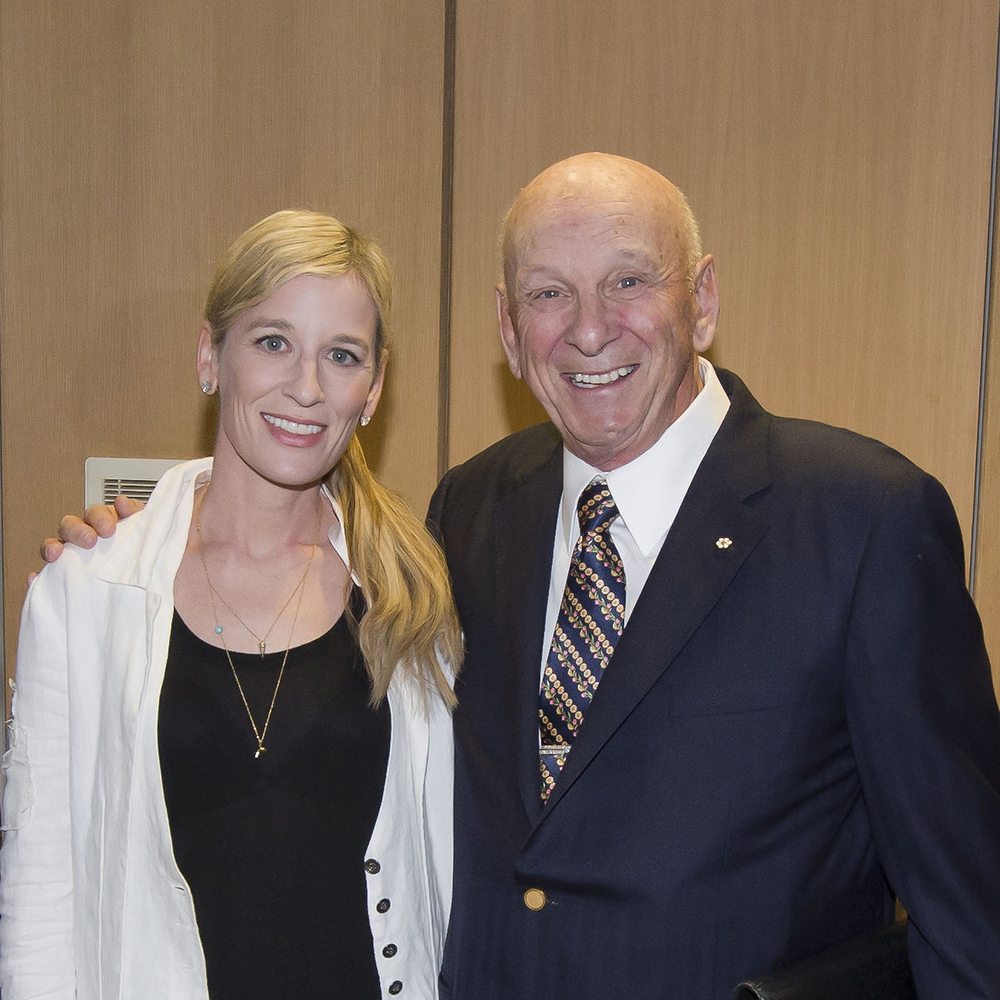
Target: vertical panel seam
<point>3,592</point>
<point>447,234</point>
<point>984,353</point>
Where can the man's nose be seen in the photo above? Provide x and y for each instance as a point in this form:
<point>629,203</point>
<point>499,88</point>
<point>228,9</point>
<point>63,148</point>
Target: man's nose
<point>593,326</point>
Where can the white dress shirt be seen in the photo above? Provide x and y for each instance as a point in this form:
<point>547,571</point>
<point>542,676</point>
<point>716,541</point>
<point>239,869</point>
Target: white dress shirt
<point>648,491</point>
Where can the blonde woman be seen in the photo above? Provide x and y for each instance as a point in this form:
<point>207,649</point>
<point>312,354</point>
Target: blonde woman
<point>231,762</point>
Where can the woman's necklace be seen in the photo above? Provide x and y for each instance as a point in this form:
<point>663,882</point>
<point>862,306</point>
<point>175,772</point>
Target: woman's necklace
<point>259,734</point>
<point>213,593</point>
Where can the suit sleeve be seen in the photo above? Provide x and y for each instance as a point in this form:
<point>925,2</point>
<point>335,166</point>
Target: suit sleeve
<point>926,735</point>
<point>435,510</point>
<point>36,877</point>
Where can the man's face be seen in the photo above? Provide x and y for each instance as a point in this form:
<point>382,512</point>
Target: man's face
<point>601,320</point>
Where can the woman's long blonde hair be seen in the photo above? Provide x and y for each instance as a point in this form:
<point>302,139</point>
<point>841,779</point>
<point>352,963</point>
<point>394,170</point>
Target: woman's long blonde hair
<point>411,620</point>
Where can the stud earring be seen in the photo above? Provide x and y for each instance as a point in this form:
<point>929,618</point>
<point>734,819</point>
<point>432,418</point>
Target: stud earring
<point>365,420</point>
<point>207,388</point>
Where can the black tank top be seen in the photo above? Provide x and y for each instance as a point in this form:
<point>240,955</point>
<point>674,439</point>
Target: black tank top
<point>273,848</point>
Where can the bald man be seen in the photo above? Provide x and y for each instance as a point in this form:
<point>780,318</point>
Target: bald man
<point>724,726</point>
<point>796,721</point>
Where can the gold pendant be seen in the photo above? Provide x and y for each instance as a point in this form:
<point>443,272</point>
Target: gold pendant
<point>261,644</point>
<point>260,750</point>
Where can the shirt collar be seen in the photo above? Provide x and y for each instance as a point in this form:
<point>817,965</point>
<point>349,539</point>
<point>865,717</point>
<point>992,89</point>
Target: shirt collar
<point>649,489</point>
<point>337,534</point>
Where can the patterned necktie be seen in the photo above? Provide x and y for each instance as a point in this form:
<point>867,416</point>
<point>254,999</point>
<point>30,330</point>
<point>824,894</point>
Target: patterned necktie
<point>590,622</point>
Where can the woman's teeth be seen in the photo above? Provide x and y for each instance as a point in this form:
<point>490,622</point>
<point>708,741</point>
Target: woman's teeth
<point>291,426</point>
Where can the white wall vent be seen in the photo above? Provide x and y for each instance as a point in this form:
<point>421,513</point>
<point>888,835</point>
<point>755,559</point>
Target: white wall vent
<point>135,477</point>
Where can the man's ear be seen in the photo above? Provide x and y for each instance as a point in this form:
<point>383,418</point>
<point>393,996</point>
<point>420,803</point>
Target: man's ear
<point>508,334</point>
<point>208,357</point>
<point>706,294</point>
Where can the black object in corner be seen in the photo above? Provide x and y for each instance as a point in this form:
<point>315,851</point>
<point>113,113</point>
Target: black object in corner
<point>875,967</point>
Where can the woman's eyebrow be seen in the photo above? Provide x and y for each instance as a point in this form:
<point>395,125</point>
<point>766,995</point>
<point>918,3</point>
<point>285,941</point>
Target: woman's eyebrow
<point>270,324</point>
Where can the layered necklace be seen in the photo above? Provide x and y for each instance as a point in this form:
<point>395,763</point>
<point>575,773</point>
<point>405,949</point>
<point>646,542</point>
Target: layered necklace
<point>259,732</point>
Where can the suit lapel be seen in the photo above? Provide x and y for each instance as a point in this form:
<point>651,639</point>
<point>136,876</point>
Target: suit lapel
<point>525,522</point>
<point>691,573</point>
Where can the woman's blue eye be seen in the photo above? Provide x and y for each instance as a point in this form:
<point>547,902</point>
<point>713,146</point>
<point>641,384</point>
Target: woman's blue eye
<point>343,357</point>
<point>272,343</point>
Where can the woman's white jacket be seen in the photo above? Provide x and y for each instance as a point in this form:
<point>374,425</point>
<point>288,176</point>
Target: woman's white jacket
<point>93,905</point>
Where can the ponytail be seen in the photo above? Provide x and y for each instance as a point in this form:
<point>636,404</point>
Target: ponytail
<point>411,622</point>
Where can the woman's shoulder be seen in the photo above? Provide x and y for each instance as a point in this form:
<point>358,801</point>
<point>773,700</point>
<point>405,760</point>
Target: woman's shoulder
<point>143,530</point>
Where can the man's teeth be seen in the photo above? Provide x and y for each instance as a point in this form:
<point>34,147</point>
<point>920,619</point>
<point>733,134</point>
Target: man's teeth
<point>291,426</point>
<point>605,379</point>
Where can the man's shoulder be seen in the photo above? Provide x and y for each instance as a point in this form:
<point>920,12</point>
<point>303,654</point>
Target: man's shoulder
<point>511,460</point>
<point>468,490</point>
<point>811,449</point>
<point>804,449</point>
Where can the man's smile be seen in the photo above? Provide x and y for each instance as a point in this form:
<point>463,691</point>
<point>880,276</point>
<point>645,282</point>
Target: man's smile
<point>605,378</point>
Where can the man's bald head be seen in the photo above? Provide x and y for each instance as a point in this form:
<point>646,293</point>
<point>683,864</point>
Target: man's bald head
<point>598,175</point>
<point>607,303</point>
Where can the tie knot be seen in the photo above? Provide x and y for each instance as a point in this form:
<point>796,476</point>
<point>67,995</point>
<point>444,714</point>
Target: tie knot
<point>596,507</point>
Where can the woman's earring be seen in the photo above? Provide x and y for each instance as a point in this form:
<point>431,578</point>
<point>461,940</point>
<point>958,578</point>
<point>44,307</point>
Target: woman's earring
<point>365,420</point>
<point>207,388</point>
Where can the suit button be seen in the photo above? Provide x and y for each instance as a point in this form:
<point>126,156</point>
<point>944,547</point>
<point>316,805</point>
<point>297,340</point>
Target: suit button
<point>396,987</point>
<point>372,866</point>
<point>389,950</point>
<point>383,906</point>
<point>534,899</point>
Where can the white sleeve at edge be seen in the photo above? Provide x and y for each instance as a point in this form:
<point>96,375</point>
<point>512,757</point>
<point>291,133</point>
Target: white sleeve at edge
<point>36,875</point>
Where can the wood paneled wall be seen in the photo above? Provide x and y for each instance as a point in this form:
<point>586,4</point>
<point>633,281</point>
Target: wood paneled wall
<point>986,580</point>
<point>838,157</point>
<point>136,140</point>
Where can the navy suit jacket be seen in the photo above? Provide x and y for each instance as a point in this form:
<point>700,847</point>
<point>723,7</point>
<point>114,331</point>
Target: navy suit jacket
<point>794,728</point>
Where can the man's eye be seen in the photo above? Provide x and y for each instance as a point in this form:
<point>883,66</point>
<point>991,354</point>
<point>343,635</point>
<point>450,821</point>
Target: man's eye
<point>630,282</point>
<point>549,293</point>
